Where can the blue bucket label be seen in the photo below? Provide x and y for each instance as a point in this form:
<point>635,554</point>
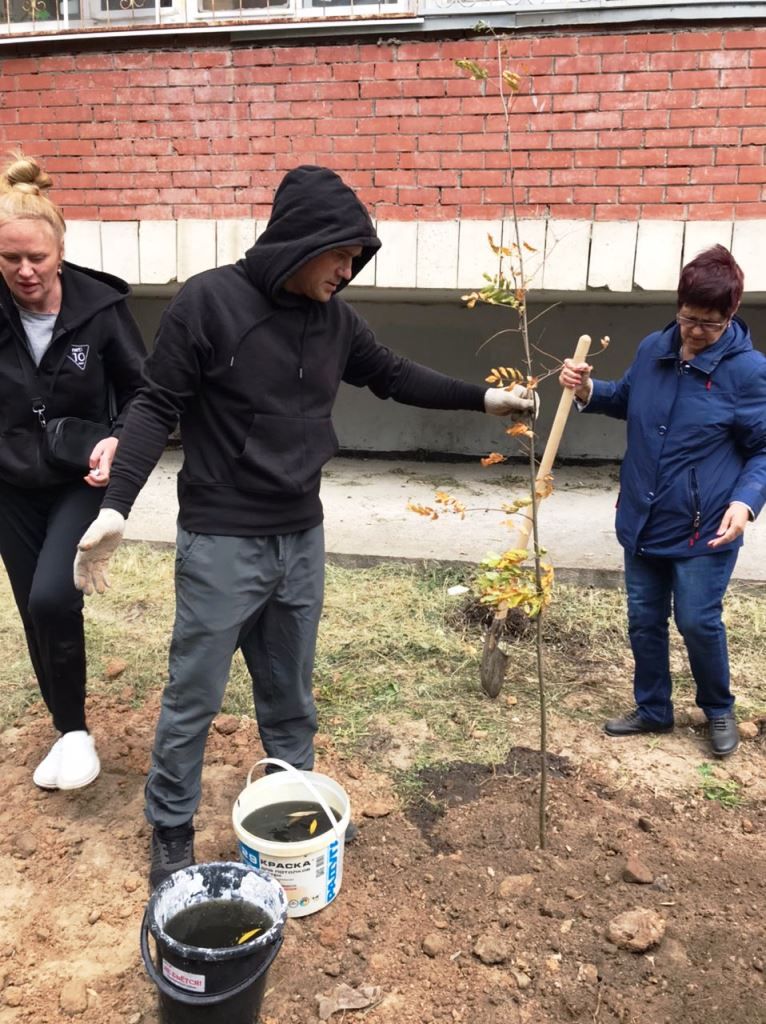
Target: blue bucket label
<point>332,870</point>
<point>250,856</point>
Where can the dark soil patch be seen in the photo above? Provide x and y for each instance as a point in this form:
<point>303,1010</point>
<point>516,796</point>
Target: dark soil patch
<point>442,787</point>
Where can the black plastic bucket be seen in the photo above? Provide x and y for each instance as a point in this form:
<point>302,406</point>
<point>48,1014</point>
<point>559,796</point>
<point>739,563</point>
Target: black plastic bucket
<point>199,985</point>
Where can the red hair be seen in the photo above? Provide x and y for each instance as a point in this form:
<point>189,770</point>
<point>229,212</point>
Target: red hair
<point>713,280</point>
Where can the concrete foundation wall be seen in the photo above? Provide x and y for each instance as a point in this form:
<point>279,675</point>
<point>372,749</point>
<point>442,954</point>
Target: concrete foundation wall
<point>450,338</point>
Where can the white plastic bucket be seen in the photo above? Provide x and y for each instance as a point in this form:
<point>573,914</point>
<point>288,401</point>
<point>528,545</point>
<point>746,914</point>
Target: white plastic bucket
<point>310,871</point>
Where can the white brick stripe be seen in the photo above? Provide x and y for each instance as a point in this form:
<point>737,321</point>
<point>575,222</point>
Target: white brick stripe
<point>658,254</point>
<point>559,255</point>
<point>610,265</point>
<point>157,251</point>
<point>396,263</point>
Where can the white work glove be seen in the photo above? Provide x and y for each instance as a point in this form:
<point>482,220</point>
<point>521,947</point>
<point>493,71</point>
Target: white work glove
<point>516,402</point>
<point>96,547</point>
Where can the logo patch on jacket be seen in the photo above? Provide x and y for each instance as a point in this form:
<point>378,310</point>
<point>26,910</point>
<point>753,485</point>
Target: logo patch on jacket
<point>79,355</point>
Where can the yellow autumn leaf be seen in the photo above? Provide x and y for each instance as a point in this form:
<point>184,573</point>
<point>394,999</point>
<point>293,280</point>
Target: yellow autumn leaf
<point>512,80</point>
<point>422,510</point>
<point>475,70</point>
<point>519,430</point>
<point>492,459</point>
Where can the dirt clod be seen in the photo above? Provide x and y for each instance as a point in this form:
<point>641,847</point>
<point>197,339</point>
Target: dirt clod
<point>74,997</point>
<point>226,725</point>
<point>491,948</point>
<point>114,668</point>
<point>515,885</point>
<point>435,944</point>
<point>587,974</point>
<point>637,872</point>
<point>748,730</point>
<point>24,845</point>
<point>13,996</point>
<point>636,930</point>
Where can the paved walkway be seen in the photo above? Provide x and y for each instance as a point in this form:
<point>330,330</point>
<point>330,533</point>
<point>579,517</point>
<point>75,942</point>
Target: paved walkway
<point>366,515</point>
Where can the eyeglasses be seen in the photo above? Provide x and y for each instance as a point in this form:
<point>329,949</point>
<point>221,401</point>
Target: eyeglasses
<point>708,326</point>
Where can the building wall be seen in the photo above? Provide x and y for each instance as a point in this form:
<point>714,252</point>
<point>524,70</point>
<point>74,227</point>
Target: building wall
<point>620,126</point>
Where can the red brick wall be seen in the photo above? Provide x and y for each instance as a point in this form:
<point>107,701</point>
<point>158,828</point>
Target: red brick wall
<point>621,126</point>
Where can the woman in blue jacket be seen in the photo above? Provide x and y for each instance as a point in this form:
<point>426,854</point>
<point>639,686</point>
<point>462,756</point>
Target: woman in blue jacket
<point>693,476</point>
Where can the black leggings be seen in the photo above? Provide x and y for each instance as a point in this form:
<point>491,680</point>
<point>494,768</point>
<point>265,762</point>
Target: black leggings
<point>39,531</point>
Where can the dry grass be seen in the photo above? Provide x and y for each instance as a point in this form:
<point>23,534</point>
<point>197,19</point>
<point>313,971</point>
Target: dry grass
<point>393,642</point>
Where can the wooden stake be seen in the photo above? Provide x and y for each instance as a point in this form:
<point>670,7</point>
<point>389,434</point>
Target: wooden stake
<point>494,661</point>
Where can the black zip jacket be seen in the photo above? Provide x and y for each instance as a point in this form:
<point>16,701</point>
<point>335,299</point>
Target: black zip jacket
<point>95,340</point>
<point>252,371</point>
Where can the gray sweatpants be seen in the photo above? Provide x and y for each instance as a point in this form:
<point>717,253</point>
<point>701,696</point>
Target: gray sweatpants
<point>264,595</point>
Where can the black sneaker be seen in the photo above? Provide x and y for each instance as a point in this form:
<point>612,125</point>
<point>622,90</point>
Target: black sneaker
<point>633,724</point>
<point>724,735</point>
<point>172,849</point>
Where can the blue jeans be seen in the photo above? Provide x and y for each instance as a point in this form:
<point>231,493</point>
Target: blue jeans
<point>695,588</point>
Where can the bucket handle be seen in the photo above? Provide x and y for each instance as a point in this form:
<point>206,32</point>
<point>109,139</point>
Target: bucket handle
<point>306,782</point>
<point>189,998</point>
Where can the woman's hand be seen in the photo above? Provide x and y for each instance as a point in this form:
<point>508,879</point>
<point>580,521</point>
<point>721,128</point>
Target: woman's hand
<point>101,459</point>
<point>735,519</point>
<point>576,376</point>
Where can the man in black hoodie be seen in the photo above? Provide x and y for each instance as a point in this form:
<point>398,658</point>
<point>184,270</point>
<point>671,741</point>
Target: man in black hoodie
<point>249,358</point>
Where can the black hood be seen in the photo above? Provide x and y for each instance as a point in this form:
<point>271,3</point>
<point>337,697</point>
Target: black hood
<point>87,292</point>
<point>313,211</point>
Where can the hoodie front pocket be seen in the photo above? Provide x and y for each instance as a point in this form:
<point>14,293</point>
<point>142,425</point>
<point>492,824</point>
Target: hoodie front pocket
<point>284,455</point>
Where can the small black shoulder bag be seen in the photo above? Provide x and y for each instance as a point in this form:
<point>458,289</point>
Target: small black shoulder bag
<point>69,440</point>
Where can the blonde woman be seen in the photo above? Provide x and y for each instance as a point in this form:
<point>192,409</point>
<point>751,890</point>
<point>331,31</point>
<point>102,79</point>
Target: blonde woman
<point>66,338</point>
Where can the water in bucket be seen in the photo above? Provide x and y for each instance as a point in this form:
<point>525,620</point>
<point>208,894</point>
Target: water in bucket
<point>289,821</point>
<point>218,924</point>
<point>309,867</point>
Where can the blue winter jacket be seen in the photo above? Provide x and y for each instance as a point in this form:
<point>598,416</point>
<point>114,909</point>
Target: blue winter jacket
<point>696,440</point>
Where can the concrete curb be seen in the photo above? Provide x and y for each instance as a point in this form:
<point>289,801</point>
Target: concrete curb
<point>367,519</point>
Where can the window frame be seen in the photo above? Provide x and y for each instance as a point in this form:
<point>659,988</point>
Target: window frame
<point>355,16</point>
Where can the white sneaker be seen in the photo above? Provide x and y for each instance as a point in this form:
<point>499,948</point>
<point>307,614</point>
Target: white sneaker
<point>79,762</point>
<point>46,774</point>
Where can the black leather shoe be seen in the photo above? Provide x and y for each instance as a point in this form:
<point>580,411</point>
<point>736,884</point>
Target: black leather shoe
<point>724,735</point>
<point>633,724</point>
